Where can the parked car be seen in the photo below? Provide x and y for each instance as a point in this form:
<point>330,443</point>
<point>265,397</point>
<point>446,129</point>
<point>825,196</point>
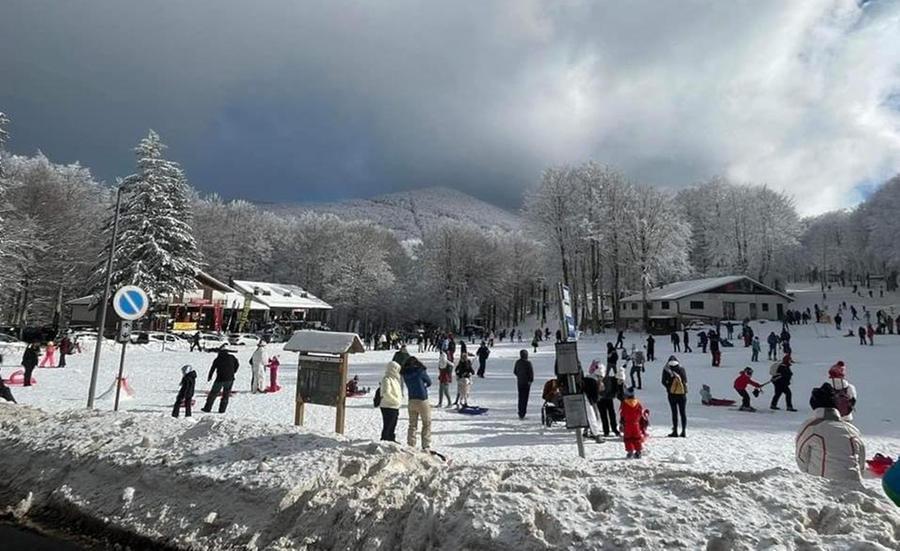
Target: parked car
<point>147,337</point>
<point>211,341</point>
<point>11,349</point>
<point>243,339</point>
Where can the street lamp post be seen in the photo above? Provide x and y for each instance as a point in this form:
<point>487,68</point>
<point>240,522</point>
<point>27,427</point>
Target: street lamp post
<point>109,268</point>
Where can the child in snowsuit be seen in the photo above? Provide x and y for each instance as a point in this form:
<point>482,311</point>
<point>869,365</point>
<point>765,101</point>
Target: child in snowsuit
<point>445,377</point>
<point>744,380</point>
<point>707,399</point>
<point>185,391</point>
<point>631,415</point>
<point>49,355</point>
<point>273,374</point>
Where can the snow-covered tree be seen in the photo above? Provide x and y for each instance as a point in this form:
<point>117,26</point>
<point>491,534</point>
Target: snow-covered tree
<point>156,248</point>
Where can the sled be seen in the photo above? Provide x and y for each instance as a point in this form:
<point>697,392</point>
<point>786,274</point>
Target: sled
<point>739,410</point>
<point>127,392</point>
<point>719,402</point>
<point>358,393</point>
<point>17,378</point>
<point>472,410</point>
<point>880,464</point>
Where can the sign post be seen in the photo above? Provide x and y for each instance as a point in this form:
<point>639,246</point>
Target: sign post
<point>130,303</point>
<point>567,364</point>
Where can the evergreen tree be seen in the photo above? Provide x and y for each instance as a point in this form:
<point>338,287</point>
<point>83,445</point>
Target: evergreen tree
<point>155,249</point>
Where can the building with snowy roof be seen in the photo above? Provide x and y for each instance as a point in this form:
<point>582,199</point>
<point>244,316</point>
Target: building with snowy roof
<point>733,297</point>
<point>285,302</point>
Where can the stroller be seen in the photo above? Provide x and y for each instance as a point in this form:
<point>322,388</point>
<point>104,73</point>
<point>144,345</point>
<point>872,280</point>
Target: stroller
<point>552,411</point>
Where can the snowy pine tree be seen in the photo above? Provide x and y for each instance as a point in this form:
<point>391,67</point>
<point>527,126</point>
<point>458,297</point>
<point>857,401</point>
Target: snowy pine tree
<point>155,249</point>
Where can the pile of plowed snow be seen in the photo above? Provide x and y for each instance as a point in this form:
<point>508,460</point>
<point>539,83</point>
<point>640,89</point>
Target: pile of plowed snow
<point>219,483</point>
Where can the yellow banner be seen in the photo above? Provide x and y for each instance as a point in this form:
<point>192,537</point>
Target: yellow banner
<point>184,326</point>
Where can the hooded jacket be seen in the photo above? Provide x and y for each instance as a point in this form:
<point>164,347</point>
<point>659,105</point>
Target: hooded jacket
<point>669,373</point>
<point>223,367</point>
<point>391,387</point>
<point>829,447</point>
<point>416,379</point>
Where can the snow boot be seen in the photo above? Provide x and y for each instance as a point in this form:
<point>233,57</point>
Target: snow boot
<point>673,434</point>
<point>791,409</point>
<point>637,455</point>
<point>775,408</point>
<point>629,455</point>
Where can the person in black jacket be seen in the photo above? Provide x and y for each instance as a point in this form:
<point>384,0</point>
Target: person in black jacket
<point>651,348</point>
<point>674,380</point>
<point>5,392</point>
<point>782,383</point>
<point>483,352</point>
<point>30,361</point>
<point>186,391</point>
<point>524,373</point>
<point>224,367</point>
<point>612,357</point>
<point>609,391</point>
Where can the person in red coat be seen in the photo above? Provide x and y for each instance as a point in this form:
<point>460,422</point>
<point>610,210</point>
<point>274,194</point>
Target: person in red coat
<point>744,380</point>
<point>631,414</point>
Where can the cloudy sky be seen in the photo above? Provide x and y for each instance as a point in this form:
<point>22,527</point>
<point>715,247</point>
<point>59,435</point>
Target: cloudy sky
<point>300,100</point>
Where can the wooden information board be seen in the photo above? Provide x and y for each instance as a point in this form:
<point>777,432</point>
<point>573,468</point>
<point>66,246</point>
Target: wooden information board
<point>319,380</point>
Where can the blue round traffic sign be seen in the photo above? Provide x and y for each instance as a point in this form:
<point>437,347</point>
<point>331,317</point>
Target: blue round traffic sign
<point>131,302</point>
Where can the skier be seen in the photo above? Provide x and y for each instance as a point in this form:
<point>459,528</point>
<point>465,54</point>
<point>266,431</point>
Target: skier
<point>674,380</point>
<point>49,355</point>
<point>631,414</point>
<point>745,379</point>
<point>828,446</point>
<point>257,368</point>
<point>524,372</point>
<point>483,352</point>
<point>772,340</point>
<point>417,382</point>
<point>637,368</point>
<point>185,395</point>
<point>676,340</point>
<point>651,343</point>
<point>224,368</point>
<point>30,361</point>
<point>391,397</point>
<point>755,346</point>
<point>844,392</point>
<point>781,380</point>
<point>464,374</point>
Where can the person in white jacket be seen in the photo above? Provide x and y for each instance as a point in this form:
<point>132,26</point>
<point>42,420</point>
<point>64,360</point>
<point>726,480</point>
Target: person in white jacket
<point>845,393</point>
<point>827,445</point>
<point>391,399</point>
<point>258,369</point>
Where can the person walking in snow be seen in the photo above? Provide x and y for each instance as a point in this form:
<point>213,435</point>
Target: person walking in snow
<point>781,380</point>
<point>870,333</point>
<point>464,373</point>
<point>65,348</point>
<point>258,369</point>
<point>637,368</point>
<point>612,356</point>
<point>224,368</point>
<point>674,380</point>
<point>772,340</point>
<point>391,393</point>
<point>745,379</point>
<point>608,391</point>
<point>676,341</point>
<point>185,395</point>
<point>524,372</point>
<point>714,349</point>
<point>445,378</point>
<point>844,392</point>
<point>273,365</point>
<point>195,342</point>
<point>30,361</point>
<point>631,415</point>
<point>620,340</point>
<point>651,346</point>
<point>862,335</point>
<point>837,321</point>
<point>703,340</point>
<point>687,342</point>
<point>483,352</point>
<point>754,350</point>
<point>49,355</point>
<point>417,382</point>
<point>827,445</point>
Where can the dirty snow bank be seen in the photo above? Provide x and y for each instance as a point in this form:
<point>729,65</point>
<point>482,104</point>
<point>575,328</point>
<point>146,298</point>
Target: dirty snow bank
<point>217,483</point>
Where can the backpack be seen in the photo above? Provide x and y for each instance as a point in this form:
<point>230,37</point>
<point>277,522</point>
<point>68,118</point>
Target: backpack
<point>843,401</point>
<point>377,399</point>
<point>677,385</point>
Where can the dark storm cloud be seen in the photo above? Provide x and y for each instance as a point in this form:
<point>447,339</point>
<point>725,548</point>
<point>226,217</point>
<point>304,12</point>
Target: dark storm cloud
<point>291,100</point>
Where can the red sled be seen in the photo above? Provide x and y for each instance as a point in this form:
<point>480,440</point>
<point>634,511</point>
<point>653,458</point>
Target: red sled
<point>719,402</point>
<point>17,378</point>
<point>880,464</point>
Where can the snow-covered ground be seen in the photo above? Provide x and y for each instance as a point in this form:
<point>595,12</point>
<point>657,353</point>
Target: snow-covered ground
<point>511,482</point>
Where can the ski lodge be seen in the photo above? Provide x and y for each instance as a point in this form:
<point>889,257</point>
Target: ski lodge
<point>672,306</point>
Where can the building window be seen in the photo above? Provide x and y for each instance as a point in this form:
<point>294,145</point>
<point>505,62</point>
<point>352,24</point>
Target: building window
<point>664,305</point>
<point>634,305</point>
<point>696,305</point>
<point>765,306</point>
<point>624,306</point>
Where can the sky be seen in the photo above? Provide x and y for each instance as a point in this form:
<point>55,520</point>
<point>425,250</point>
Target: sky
<point>289,100</point>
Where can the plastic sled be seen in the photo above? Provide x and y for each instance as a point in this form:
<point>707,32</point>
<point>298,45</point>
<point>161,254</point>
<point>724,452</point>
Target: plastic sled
<point>17,378</point>
<point>880,464</point>
<point>472,410</point>
<point>719,402</point>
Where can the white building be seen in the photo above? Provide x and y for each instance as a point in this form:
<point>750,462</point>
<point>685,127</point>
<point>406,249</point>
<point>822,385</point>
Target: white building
<point>284,302</point>
<point>709,299</point>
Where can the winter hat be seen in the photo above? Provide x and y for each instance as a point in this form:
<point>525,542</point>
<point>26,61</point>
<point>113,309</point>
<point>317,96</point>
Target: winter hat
<point>523,354</point>
<point>672,361</point>
<point>629,392</point>
<point>823,397</point>
<point>185,369</point>
<point>837,371</point>
<point>748,370</point>
<point>595,365</point>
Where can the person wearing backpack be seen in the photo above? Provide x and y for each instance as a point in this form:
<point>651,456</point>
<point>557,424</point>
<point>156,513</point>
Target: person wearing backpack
<point>674,380</point>
<point>781,380</point>
<point>844,392</point>
<point>389,399</point>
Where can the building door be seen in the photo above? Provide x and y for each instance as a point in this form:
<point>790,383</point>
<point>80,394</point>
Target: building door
<point>753,310</point>
<point>728,310</point>
<point>780,310</point>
